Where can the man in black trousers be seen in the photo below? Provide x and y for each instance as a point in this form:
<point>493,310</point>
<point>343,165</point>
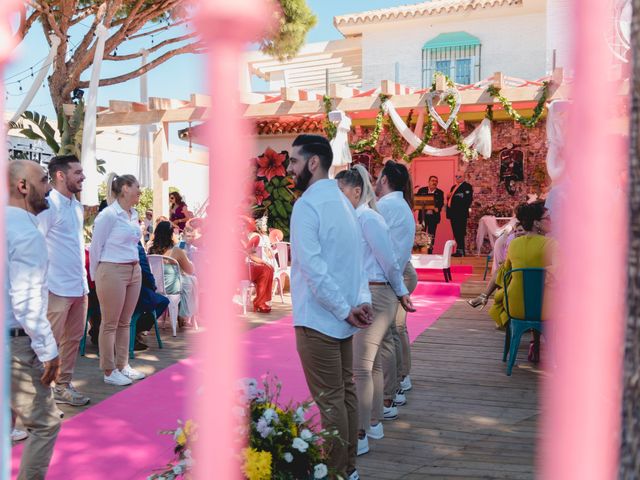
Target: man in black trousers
<point>431,218</point>
<point>458,202</point>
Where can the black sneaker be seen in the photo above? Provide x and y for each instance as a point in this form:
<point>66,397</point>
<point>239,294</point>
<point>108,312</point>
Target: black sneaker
<point>139,346</point>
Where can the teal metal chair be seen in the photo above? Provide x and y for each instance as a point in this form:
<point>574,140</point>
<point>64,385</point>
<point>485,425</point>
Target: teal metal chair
<point>132,332</point>
<point>83,341</point>
<point>533,285</point>
<point>486,265</point>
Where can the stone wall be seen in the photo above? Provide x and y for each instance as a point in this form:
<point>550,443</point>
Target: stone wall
<point>490,194</point>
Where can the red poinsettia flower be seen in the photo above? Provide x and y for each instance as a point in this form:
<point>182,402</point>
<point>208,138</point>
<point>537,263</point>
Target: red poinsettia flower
<point>270,164</point>
<point>260,192</point>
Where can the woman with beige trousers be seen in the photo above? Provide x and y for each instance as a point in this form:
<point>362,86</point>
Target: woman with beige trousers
<point>387,288</point>
<point>114,266</point>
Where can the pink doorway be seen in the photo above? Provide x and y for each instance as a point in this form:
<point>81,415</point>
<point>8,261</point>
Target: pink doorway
<point>444,168</point>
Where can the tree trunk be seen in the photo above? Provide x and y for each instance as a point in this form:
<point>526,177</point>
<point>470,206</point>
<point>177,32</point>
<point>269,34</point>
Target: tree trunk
<point>630,448</point>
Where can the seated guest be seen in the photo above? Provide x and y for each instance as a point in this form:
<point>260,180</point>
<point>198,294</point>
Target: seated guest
<point>499,256</point>
<point>164,243</point>
<point>531,250</point>
<point>260,269</point>
<point>149,301</point>
<point>192,237</point>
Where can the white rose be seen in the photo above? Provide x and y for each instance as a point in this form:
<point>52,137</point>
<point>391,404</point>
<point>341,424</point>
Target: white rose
<point>300,445</point>
<point>306,434</point>
<point>269,414</point>
<point>300,414</point>
<point>288,457</point>
<point>320,471</point>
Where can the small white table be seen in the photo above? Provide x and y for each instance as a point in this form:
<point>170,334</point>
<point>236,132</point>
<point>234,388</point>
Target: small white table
<point>488,226</point>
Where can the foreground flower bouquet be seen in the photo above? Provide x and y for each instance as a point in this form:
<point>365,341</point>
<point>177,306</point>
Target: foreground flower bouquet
<point>282,443</point>
<point>182,464</point>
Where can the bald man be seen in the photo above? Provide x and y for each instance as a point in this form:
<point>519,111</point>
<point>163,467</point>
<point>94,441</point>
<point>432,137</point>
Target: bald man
<point>34,354</point>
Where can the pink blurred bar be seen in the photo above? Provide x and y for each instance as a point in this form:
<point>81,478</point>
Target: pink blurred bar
<point>582,394</point>
<point>227,26</point>
<point>7,42</point>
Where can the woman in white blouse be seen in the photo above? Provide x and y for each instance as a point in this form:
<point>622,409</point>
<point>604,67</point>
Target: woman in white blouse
<point>387,287</point>
<point>114,266</point>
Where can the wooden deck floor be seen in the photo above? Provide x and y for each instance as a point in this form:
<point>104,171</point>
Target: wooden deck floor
<point>465,418</point>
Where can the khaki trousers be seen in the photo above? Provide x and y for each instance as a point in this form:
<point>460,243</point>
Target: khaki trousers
<point>401,335</point>
<point>67,316</point>
<point>118,289</point>
<point>328,368</point>
<point>34,404</point>
<point>367,358</point>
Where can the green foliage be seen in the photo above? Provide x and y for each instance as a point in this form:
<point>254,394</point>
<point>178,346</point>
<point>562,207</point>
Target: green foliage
<point>146,201</point>
<point>294,21</point>
<point>44,129</point>
<point>508,107</point>
<point>330,129</point>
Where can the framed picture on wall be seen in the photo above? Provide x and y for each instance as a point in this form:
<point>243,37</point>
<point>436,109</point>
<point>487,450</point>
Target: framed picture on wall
<point>511,164</point>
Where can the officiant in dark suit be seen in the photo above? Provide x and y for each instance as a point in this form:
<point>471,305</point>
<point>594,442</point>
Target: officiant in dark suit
<point>430,218</point>
<point>458,203</point>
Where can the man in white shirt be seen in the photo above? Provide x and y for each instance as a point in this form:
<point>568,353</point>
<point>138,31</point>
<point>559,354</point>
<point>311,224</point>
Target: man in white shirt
<point>62,227</point>
<point>330,294</point>
<point>34,355</point>
<point>392,184</point>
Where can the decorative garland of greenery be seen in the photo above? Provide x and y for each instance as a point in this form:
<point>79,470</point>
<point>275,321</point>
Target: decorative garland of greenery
<point>367,144</point>
<point>330,129</point>
<point>508,107</point>
<point>454,132</point>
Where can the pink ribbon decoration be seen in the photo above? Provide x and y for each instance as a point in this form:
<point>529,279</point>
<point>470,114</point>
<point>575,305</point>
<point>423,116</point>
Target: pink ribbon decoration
<point>8,40</point>
<point>580,435</point>
<point>227,26</point>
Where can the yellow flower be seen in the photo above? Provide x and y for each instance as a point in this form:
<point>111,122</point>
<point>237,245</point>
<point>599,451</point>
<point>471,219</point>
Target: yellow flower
<point>188,427</point>
<point>181,439</point>
<point>257,464</point>
<point>294,430</point>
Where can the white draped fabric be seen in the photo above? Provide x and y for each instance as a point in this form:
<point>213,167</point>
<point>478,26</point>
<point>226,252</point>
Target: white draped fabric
<point>88,160</point>
<point>556,130</point>
<point>340,145</point>
<point>479,139</point>
<point>488,227</point>
<point>55,43</point>
<point>144,142</point>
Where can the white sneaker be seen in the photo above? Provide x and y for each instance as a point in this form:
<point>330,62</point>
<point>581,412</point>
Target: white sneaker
<point>363,445</point>
<point>390,413</point>
<point>132,374</point>
<point>17,435</point>
<point>117,378</point>
<point>354,475</point>
<point>406,384</point>
<point>400,399</point>
<point>376,431</point>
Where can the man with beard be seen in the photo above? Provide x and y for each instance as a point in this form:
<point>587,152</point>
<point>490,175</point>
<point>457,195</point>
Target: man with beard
<point>459,201</point>
<point>62,227</point>
<point>34,355</point>
<point>330,295</point>
<point>431,218</point>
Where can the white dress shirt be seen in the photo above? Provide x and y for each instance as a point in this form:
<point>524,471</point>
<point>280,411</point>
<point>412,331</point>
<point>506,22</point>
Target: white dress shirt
<point>115,237</point>
<point>402,225</point>
<point>379,259</point>
<point>25,287</point>
<point>327,275</point>
<point>62,227</point>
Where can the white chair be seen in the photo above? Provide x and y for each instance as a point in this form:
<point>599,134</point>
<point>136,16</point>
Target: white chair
<point>437,262</point>
<point>284,268</point>
<point>157,263</point>
<point>247,287</point>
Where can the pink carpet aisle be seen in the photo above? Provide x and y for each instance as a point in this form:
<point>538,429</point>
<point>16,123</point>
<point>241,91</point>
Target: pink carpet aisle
<point>118,438</point>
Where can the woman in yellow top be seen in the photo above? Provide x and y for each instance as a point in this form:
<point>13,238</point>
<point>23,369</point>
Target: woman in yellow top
<point>532,250</point>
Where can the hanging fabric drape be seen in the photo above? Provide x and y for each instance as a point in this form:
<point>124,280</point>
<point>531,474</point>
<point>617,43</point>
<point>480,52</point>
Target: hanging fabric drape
<point>556,132</point>
<point>340,145</point>
<point>88,158</point>
<point>144,142</point>
<point>479,139</point>
<point>39,78</point>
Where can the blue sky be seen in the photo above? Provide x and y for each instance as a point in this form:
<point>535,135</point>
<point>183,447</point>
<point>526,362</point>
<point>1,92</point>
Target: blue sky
<point>177,78</point>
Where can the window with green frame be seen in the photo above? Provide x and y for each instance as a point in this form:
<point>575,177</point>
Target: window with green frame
<point>456,54</point>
